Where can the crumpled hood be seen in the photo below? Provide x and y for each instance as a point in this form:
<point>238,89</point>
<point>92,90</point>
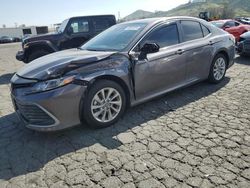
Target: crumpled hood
<point>55,64</point>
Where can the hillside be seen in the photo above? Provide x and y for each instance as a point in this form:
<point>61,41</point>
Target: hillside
<point>139,14</point>
<point>241,8</point>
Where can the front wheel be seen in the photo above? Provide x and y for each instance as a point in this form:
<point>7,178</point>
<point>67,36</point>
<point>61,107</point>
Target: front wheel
<point>104,104</point>
<point>218,69</point>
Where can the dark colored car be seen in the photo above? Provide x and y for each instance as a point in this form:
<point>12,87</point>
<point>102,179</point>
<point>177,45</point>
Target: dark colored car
<point>233,27</point>
<point>6,39</point>
<point>72,33</point>
<point>243,46</point>
<point>125,65</point>
<point>16,39</point>
<point>243,20</point>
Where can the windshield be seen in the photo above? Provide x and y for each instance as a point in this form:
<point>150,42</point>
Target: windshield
<point>63,26</point>
<point>115,38</point>
<point>218,24</point>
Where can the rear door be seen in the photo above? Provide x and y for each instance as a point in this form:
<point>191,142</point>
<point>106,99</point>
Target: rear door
<point>198,46</point>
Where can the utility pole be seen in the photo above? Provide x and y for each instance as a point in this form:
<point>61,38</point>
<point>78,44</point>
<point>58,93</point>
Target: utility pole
<point>119,16</point>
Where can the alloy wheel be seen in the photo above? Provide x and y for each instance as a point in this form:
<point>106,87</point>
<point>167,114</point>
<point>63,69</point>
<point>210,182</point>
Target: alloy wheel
<point>106,104</point>
<point>219,68</point>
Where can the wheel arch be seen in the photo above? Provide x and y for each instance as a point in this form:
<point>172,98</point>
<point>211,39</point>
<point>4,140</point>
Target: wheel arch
<point>113,78</point>
<point>225,53</point>
<point>119,81</point>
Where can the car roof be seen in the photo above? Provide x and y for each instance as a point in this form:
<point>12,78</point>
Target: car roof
<point>160,19</point>
<point>225,20</point>
<point>104,15</point>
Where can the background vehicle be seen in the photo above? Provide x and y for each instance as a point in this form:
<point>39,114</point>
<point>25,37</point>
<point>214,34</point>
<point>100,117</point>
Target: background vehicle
<point>243,20</point>
<point>95,83</point>
<point>207,16</point>
<point>243,46</point>
<point>16,39</point>
<point>233,27</point>
<point>6,39</point>
<point>72,33</point>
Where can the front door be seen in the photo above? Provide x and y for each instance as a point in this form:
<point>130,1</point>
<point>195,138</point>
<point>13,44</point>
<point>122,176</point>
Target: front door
<point>163,70</point>
<point>76,33</point>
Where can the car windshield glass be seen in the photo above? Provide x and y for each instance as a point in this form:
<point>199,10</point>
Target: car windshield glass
<point>63,26</point>
<point>218,24</point>
<point>115,38</point>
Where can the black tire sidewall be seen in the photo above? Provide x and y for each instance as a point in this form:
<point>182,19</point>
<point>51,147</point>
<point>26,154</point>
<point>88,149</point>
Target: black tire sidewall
<point>211,74</point>
<point>97,86</point>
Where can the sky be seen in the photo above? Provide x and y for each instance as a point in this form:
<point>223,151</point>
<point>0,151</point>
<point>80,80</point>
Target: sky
<point>47,12</point>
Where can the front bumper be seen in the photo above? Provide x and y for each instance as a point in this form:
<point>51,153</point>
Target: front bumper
<point>20,56</point>
<point>51,110</point>
<point>243,47</point>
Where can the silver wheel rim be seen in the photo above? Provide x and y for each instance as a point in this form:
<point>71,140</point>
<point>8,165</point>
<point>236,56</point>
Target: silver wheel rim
<point>219,68</point>
<point>106,105</point>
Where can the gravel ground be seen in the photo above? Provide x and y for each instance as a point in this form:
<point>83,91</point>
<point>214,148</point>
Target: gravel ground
<point>194,137</point>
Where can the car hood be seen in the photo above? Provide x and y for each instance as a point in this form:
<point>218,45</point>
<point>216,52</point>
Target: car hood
<point>57,64</point>
<point>46,36</point>
<point>246,35</point>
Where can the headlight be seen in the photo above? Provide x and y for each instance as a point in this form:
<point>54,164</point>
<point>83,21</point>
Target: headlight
<point>51,84</point>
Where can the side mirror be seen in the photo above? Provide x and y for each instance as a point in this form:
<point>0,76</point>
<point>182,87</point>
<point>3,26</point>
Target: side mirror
<point>148,48</point>
<point>226,27</point>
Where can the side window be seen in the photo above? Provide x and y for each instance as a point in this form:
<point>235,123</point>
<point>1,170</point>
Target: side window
<point>191,30</point>
<point>164,36</point>
<point>205,30</point>
<point>100,24</point>
<point>230,24</point>
<point>80,26</point>
<point>237,24</point>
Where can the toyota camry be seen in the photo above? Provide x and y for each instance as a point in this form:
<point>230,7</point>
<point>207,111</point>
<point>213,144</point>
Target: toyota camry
<point>125,65</point>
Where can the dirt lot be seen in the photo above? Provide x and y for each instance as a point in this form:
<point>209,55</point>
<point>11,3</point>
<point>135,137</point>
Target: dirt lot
<point>194,137</point>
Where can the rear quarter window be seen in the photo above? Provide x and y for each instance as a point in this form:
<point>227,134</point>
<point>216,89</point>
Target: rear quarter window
<point>205,30</point>
<point>191,30</point>
<point>101,24</point>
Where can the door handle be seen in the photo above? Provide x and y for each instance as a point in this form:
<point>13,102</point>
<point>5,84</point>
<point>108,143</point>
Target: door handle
<point>179,52</point>
<point>210,42</point>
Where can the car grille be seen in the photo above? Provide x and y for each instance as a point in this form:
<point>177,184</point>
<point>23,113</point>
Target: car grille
<point>34,115</point>
<point>16,86</point>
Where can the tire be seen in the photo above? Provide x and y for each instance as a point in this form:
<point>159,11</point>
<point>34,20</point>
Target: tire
<point>36,54</point>
<point>218,69</point>
<point>91,106</point>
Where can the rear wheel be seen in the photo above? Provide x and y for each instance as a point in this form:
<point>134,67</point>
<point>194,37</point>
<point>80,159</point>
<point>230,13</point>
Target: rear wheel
<point>104,104</point>
<point>218,69</point>
<point>36,54</point>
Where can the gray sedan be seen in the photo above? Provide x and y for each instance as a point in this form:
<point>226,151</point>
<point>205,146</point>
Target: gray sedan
<point>243,46</point>
<point>125,65</point>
